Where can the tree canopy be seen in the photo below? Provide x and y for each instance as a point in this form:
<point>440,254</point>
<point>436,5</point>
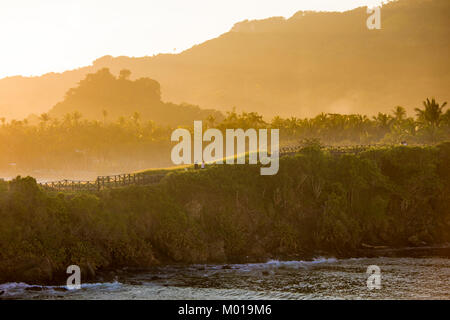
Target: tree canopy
<point>102,96</point>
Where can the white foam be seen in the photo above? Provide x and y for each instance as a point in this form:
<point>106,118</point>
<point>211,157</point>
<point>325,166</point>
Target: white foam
<point>285,264</point>
<point>114,284</point>
<point>13,289</point>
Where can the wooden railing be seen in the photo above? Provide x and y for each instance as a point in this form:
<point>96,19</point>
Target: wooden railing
<point>336,150</point>
<point>103,182</point>
<point>122,180</point>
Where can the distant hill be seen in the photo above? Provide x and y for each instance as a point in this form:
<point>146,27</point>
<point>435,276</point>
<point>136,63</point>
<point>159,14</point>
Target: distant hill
<point>311,63</point>
<point>102,96</point>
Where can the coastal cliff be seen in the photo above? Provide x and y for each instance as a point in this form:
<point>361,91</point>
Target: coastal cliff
<point>318,203</point>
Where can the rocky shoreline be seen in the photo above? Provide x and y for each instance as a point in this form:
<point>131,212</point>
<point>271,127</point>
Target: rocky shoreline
<point>39,276</point>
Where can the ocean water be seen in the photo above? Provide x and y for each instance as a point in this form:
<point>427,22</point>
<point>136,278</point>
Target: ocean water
<point>322,278</point>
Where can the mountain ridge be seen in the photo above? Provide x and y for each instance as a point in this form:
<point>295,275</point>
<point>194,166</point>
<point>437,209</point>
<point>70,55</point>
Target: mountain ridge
<point>310,63</point>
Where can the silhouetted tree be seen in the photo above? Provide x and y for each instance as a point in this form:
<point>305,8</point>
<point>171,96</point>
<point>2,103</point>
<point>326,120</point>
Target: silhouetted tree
<point>432,114</point>
<point>399,113</point>
<point>105,115</point>
<point>124,74</point>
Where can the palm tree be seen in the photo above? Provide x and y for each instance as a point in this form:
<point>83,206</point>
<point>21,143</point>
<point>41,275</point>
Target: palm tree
<point>67,119</point>
<point>136,117</point>
<point>3,120</point>
<point>431,117</point>
<point>211,121</point>
<point>383,120</point>
<point>432,114</point>
<point>105,115</point>
<point>76,116</point>
<point>44,117</point>
<point>399,113</point>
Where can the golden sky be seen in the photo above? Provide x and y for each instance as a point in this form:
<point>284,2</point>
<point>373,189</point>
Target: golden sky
<point>56,35</point>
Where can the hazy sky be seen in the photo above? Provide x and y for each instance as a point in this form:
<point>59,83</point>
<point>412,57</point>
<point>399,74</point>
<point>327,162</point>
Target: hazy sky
<point>56,35</point>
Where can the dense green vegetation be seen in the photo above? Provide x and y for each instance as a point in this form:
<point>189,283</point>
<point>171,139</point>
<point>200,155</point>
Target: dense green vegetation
<point>72,144</point>
<point>102,96</point>
<point>75,144</point>
<point>318,203</point>
<point>430,125</point>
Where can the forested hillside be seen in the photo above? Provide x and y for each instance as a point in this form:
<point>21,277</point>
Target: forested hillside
<point>310,63</point>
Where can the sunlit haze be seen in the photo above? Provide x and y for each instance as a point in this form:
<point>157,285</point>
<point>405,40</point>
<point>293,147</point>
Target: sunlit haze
<point>229,150</point>
<point>53,36</point>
